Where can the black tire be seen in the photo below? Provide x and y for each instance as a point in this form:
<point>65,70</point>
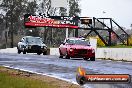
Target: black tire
<point>61,56</point>
<point>24,52</point>
<point>45,53</point>
<point>85,58</point>
<point>92,58</point>
<point>67,56</point>
<point>18,51</point>
<point>38,53</point>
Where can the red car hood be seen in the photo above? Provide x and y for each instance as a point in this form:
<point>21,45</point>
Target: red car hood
<point>79,47</point>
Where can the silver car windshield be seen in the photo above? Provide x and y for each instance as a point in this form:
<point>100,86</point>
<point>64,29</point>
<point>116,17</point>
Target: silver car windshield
<point>78,42</point>
<point>33,40</point>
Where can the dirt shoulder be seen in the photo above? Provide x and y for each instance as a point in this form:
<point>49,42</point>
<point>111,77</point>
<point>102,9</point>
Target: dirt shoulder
<point>49,80</point>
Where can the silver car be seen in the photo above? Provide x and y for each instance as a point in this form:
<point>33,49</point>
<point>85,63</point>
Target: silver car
<point>30,44</point>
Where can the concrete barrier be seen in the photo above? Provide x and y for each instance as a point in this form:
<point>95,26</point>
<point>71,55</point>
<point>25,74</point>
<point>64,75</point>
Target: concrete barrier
<point>9,50</point>
<point>54,51</point>
<point>115,53</point>
<point>107,53</point>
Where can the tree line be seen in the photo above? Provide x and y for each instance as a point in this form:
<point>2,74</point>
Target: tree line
<point>12,21</point>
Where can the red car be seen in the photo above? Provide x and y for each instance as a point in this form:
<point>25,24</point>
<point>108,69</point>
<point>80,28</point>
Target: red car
<point>77,48</point>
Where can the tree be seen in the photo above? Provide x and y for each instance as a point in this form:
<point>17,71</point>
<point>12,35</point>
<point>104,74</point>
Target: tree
<point>33,32</point>
<point>1,18</point>
<point>45,8</point>
<point>74,10</point>
<point>2,22</point>
<point>14,12</point>
<point>32,7</point>
<point>17,9</point>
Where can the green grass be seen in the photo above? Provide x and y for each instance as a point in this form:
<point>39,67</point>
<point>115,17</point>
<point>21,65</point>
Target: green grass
<point>10,81</point>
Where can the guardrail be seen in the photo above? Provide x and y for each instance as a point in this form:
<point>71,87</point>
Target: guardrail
<point>115,53</point>
<point>124,54</point>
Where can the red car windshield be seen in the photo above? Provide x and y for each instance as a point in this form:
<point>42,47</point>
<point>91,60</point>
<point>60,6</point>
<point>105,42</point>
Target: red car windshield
<point>77,42</point>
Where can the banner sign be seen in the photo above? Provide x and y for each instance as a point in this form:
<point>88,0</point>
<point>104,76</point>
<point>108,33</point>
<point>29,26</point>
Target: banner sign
<point>82,77</point>
<point>43,20</point>
<point>49,21</point>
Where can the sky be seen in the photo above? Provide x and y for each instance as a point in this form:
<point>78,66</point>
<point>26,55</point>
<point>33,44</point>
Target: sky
<point>119,10</point>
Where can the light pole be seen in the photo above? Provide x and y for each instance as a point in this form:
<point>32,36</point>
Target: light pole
<point>67,15</point>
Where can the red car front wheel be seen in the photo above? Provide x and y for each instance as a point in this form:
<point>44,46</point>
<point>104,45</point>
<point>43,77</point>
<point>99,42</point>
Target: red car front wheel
<point>67,56</point>
<point>85,58</point>
<point>61,56</point>
<point>92,58</point>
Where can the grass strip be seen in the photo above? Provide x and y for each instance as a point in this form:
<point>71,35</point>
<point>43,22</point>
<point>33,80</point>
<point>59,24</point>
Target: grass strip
<point>10,78</point>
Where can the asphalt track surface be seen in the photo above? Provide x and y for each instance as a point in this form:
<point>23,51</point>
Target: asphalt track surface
<point>66,68</point>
